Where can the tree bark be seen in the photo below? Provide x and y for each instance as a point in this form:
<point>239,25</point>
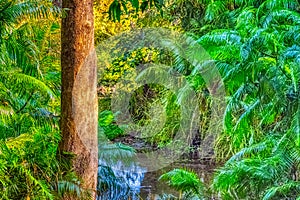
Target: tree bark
<point>79,108</point>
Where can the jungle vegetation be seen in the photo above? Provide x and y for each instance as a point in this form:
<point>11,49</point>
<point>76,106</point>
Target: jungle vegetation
<point>255,46</point>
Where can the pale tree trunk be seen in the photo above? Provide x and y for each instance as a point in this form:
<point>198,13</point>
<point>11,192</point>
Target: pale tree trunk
<point>79,109</point>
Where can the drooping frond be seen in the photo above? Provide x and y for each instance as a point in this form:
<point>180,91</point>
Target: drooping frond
<point>259,148</point>
<point>215,9</point>
<point>14,11</point>
<point>20,80</point>
<point>290,189</point>
<point>281,16</point>
<point>246,2</point>
<point>247,19</point>
<point>183,180</point>
<point>276,4</point>
<point>221,37</point>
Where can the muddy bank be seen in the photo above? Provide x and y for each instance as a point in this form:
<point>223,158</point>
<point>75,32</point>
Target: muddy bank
<point>141,145</point>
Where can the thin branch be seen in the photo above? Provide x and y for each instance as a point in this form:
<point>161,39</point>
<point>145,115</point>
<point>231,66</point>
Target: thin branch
<point>23,107</point>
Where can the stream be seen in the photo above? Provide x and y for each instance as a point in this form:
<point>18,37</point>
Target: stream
<point>124,180</point>
<point>139,184</point>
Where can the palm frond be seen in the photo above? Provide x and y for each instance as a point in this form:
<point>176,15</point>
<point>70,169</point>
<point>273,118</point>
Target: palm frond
<point>21,79</point>
<point>279,16</point>
<point>259,148</point>
<point>275,4</point>
<point>215,9</point>
<point>220,37</point>
<point>286,190</point>
<point>247,19</point>
<point>183,180</point>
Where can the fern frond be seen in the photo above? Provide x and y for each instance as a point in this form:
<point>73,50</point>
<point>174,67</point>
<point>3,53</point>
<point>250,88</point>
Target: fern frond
<point>215,9</point>
<point>275,4</point>
<point>287,190</point>
<point>279,16</point>
<point>183,180</point>
<point>220,37</point>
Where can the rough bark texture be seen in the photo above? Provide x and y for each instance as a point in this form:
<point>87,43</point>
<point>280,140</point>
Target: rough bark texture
<point>79,95</point>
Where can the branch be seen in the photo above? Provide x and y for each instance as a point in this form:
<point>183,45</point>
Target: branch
<point>22,108</point>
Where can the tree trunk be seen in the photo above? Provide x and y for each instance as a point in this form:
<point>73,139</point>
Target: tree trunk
<point>79,108</point>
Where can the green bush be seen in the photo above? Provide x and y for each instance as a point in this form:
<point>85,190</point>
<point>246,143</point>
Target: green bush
<point>107,123</point>
<point>30,169</point>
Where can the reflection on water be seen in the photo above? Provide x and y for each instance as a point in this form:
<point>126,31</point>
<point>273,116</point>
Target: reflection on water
<point>120,181</point>
<point>130,181</point>
<point>120,177</point>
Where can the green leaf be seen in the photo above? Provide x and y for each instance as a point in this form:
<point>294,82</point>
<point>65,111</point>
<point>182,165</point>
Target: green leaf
<point>135,4</point>
<point>144,5</point>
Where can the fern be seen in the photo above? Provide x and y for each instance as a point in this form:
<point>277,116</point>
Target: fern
<point>184,181</point>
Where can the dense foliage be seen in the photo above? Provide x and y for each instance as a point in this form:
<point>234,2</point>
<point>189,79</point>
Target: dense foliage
<point>255,47</point>
<point>29,77</point>
<point>29,103</point>
<point>254,44</point>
